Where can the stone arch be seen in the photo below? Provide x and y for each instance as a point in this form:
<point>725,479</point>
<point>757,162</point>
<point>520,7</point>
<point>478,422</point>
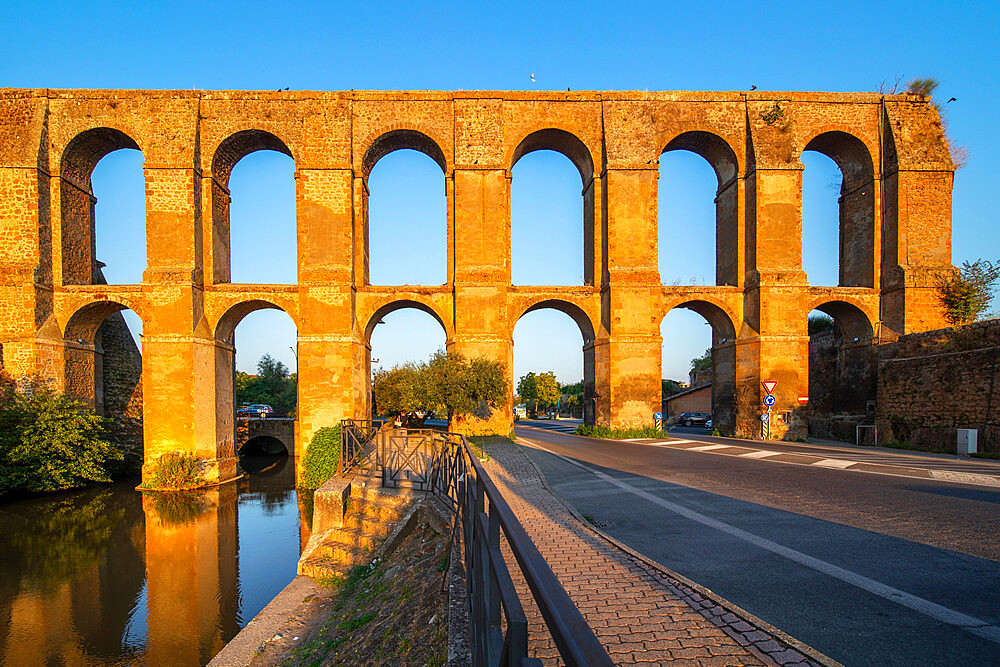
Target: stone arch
<point>585,323</point>
<point>716,151</point>
<point>561,141</point>
<point>724,370</point>
<point>856,203</point>
<point>269,444</point>
<point>850,320</point>
<point>76,201</point>
<point>717,314</point>
<point>573,148</point>
<point>399,304</point>
<point>402,139</point>
<point>103,367</point>
<point>237,146</point>
<point>723,159</point>
<point>84,322</point>
<point>582,318</point>
<point>229,152</point>
<point>390,142</point>
<point>225,327</point>
<point>843,368</point>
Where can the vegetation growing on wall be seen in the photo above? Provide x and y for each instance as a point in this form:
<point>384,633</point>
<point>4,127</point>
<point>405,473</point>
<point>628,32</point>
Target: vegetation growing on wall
<point>321,458</point>
<point>173,470</point>
<point>273,385</point>
<point>965,293</point>
<point>49,442</point>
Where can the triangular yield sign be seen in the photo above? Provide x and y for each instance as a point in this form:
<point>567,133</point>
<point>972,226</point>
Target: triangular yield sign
<point>769,385</point>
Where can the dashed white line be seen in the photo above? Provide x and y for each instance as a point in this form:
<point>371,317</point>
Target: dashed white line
<point>834,463</point>
<point>707,448</point>
<point>976,626</point>
<point>763,453</point>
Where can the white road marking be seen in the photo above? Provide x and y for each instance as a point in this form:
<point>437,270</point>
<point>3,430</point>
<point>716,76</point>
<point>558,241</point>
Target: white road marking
<point>758,455</point>
<point>707,448</point>
<point>834,463</point>
<point>918,604</point>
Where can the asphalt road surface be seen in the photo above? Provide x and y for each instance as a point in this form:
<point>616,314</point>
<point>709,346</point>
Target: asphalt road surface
<point>869,569</point>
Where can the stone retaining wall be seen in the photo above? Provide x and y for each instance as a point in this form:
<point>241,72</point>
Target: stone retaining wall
<point>932,383</point>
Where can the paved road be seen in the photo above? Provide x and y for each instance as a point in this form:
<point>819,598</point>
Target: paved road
<point>869,569</point>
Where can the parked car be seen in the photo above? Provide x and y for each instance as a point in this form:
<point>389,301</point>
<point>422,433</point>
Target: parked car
<point>693,418</point>
<point>261,410</point>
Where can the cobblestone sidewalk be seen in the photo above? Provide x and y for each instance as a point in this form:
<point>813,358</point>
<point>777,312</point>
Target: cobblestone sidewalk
<point>640,614</point>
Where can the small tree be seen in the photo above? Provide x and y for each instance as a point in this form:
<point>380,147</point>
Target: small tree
<point>965,293</point>
<point>540,390</point>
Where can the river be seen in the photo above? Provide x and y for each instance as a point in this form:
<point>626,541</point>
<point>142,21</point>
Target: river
<point>112,576</point>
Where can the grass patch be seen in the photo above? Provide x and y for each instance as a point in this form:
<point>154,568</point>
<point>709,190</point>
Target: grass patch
<point>609,433</point>
<point>392,612</point>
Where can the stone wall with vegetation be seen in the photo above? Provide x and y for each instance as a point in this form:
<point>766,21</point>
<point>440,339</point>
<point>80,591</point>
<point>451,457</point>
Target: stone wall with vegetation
<point>932,383</point>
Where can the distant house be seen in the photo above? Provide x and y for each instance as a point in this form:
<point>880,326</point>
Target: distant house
<point>695,399</point>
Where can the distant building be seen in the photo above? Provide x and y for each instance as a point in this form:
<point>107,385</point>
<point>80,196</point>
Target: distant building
<point>696,399</point>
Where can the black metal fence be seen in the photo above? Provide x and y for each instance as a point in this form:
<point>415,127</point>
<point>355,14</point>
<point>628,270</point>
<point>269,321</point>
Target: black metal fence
<point>445,464</point>
<point>358,452</point>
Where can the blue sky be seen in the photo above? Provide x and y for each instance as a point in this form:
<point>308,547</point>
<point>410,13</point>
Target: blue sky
<point>581,45</point>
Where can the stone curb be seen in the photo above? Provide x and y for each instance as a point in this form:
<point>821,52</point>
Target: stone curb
<point>777,649</point>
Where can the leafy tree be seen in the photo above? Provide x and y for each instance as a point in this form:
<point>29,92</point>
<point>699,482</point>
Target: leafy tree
<point>49,442</point>
<point>448,383</point>
<point>966,293</point>
<point>273,385</point>
<point>670,387</point>
<point>698,364</point>
<point>539,390</point>
<point>819,323</point>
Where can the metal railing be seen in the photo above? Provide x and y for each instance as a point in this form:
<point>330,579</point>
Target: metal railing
<point>447,466</point>
<point>358,452</point>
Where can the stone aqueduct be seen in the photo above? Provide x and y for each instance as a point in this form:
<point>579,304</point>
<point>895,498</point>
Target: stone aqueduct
<point>895,232</point>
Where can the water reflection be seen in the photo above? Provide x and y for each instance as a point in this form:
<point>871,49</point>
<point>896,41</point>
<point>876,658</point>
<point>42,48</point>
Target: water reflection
<point>112,576</point>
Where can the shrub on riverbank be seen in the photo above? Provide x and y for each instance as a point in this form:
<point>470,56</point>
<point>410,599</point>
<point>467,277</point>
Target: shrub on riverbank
<point>321,458</point>
<point>609,433</point>
<point>48,441</point>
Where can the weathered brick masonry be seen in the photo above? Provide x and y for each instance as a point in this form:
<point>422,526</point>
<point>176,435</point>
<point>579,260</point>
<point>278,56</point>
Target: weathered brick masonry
<point>895,231</point>
<point>932,383</point>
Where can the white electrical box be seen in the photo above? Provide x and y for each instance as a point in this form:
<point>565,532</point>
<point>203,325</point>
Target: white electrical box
<point>967,441</point>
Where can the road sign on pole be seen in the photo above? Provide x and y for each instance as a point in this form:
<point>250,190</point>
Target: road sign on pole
<point>769,385</point>
<point>769,400</point>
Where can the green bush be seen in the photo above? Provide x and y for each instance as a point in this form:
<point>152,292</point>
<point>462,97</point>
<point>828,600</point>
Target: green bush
<point>608,433</point>
<point>173,470</point>
<point>49,442</point>
<point>322,457</point>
